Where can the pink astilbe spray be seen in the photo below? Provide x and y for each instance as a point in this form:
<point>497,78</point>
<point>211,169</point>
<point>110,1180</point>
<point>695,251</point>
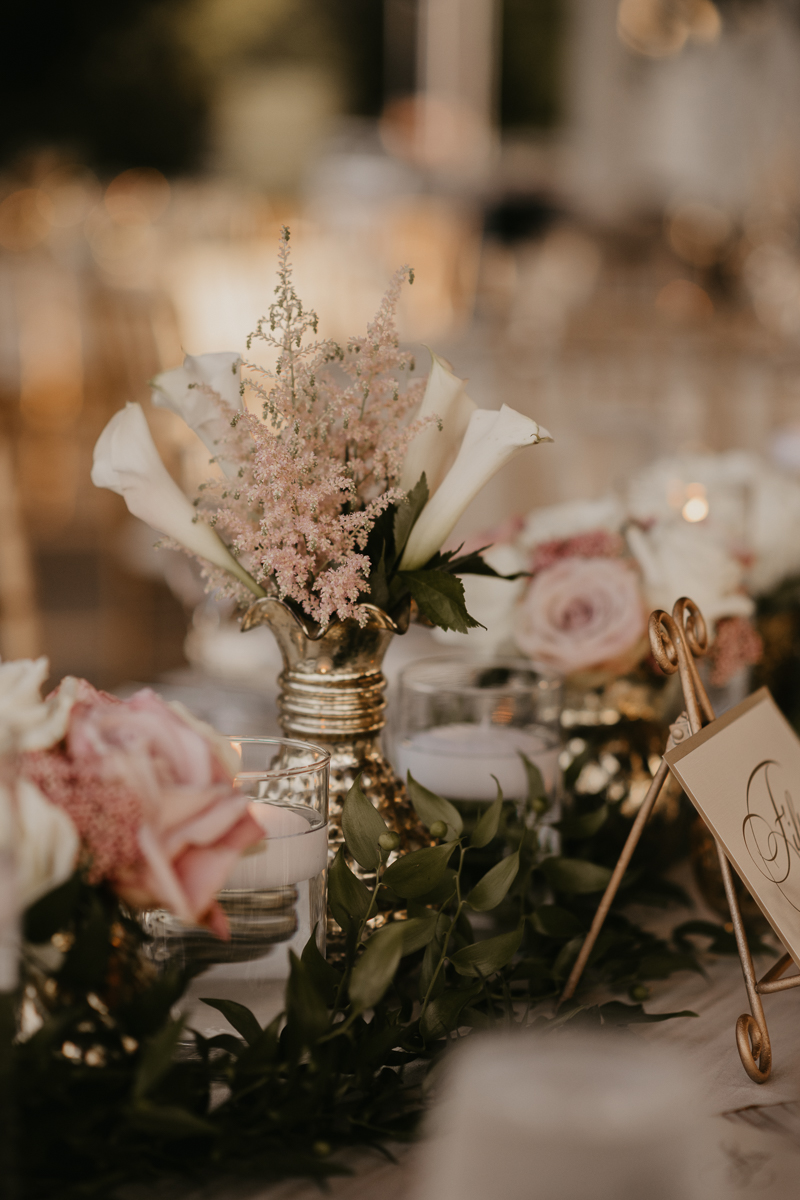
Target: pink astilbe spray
<point>321,462</point>
<point>736,645</point>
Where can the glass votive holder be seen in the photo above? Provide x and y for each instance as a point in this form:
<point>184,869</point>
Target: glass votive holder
<point>461,721</point>
<point>274,898</point>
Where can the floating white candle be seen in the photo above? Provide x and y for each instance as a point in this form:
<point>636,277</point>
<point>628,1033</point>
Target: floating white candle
<point>294,848</point>
<point>458,761</point>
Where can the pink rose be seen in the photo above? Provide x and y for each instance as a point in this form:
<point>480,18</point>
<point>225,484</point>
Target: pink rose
<point>582,613</point>
<point>149,789</point>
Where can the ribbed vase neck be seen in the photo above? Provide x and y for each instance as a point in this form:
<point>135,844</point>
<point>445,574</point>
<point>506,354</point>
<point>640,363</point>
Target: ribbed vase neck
<point>332,685</point>
<point>331,705</point>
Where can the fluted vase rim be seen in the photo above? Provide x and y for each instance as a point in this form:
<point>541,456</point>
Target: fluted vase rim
<point>260,611</point>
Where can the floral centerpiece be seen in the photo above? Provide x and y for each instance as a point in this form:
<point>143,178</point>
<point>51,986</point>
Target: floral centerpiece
<point>340,491</point>
<point>333,495</point>
<point>589,574</point>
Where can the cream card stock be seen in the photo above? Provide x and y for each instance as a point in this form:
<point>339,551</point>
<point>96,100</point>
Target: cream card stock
<point>742,773</point>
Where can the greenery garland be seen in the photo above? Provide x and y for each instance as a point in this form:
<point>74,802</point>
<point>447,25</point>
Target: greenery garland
<point>100,1086</point>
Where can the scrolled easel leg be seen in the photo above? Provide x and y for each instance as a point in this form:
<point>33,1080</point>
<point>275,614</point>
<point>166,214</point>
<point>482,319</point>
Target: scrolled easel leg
<point>754,1048</point>
<point>752,1037</point>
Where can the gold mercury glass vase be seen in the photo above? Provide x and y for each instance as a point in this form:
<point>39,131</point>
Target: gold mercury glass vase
<point>332,693</point>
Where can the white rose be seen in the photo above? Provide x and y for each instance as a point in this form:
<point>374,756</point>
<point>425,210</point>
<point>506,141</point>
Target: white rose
<point>491,440</point>
<point>46,844</point>
<point>126,461</point>
<point>26,721</point>
<point>773,531</point>
<point>561,521</point>
<point>194,391</point>
<point>751,505</point>
<point>678,559</point>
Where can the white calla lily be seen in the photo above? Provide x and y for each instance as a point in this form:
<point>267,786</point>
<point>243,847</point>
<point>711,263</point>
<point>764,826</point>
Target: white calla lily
<point>491,440</point>
<point>127,462</point>
<point>193,392</point>
<point>434,449</point>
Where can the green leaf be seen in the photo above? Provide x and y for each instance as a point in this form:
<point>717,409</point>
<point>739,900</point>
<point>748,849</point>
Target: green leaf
<point>224,1041</point>
<point>377,966</point>
<point>536,788</point>
<point>169,1120</point>
<point>157,1058</point>
<point>471,564</point>
<point>575,875</point>
<point>418,932</point>
<point>238,1016</point>
<point>415,874</point>
<point>86,963</point>
<point>263,1052</point>
<point>556,922</point>
<point>567,955</point>
<point>441,892</point>
<point>307,1016</point>
<point>721,940</point>
<point>431,808</point>
<point>477,1020</point>
<point>584,826</point>
<point>486,957</point>
<point>486,829</point>
<point>441,1015</point>
<point>52,912</point>
<point>407,513</point>
<point>378,583</point>
<point>324,977</point>
<point>491,889</point>
<point>348,898</point>
<point>430,960</point>
<point>440,598</point>
<point>362,826</point>
<point>617,1013</point>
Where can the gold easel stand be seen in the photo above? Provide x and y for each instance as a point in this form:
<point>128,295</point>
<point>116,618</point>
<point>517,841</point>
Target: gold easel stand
<point>676,641</point>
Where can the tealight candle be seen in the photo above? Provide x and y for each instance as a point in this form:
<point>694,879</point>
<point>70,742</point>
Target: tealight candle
<point>293,850</point>
<point>459,760</point>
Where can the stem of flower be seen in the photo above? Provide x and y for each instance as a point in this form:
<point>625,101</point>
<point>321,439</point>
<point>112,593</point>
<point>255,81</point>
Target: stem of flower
<point>443,955</point>
<point>247,579</point>
<point>373,904</point>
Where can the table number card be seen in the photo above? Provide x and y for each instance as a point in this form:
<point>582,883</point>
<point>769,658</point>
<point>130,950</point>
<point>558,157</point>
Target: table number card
<point>742,774</point>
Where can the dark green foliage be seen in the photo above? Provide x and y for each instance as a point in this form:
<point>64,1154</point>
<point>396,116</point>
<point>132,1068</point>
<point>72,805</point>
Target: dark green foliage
<point>330,1071</point>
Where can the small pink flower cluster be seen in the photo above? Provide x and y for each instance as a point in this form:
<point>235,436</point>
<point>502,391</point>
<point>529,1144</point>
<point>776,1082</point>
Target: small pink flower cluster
<point>736,645</point>
<point>322,465</point>
<point>597,543</point>
<point>151,795</point>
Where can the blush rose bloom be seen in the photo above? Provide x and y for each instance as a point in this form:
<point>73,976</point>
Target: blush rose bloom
<point>149,789</point>
<point>583,613</point>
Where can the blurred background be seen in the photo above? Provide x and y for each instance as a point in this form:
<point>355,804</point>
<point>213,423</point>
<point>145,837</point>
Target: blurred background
<point>600,199</point>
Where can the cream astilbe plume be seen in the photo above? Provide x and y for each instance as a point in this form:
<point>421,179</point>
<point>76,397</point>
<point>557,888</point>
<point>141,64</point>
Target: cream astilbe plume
<point>327,452</point>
